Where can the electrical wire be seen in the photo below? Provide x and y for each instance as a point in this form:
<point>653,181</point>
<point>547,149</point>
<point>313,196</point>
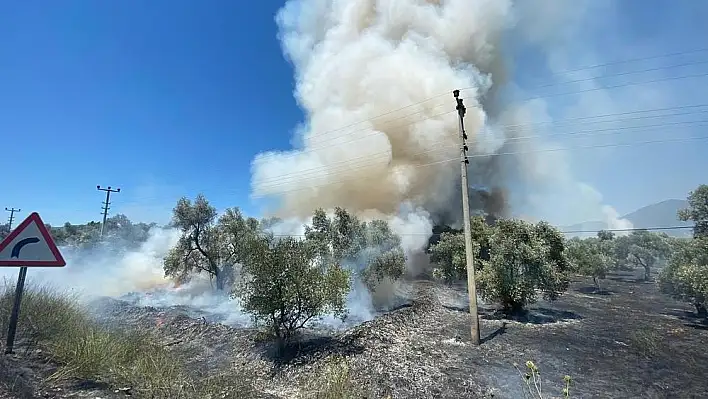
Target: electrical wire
<point>458,159</point>
<point>553,74</point>
<point>348,164</point>
<point>335,140</point>
<point>664,228</point>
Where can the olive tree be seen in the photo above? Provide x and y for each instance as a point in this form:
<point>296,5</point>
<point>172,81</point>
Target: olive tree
<point>285,284</point>
<point>644,249</point>
<point>523,258</point>
<point>589,257</point>
<point>697,211</point>
<point>372,248</point>
<point>448,253</point>
<point>207,244</point>
<point>449,256</point>
<point>686,276</point>
<point>605,235</point>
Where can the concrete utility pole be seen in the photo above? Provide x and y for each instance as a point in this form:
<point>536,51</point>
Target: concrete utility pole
<point>471,283</point>
<point>12,216</point>
<point>106,204</point>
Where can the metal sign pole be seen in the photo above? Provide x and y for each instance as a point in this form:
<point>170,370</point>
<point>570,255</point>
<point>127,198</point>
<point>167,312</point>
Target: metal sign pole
<point>15,315</point>
<point>30,244</point>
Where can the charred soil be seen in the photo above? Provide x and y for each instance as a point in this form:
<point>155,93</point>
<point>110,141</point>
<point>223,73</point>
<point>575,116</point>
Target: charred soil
<point>628,341</point>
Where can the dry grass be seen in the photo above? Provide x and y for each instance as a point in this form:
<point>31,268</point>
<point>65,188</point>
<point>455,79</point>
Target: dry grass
<point>55,322</point>
<point>335,381</point>
<point>646,341</point>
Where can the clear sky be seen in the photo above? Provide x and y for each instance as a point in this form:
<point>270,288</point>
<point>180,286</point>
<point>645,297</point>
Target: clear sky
<point>165,98</point>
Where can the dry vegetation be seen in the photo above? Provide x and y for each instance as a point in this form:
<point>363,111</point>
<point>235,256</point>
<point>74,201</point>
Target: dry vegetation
<point>629,341</point>
<point>62,350</point>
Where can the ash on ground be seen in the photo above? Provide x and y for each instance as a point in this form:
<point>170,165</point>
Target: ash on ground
<point>422,348</point>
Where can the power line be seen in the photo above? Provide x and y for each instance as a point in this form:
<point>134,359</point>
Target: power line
<point>370,134</point>
<point>630,229</point>
<point>589,79</point>
<point>553,74</point>
<point>348,164</point>
<point>106,204</point>
<point>561,231</point>
<point>496,154</point>
<point>664,79</point>
<point>627,61</point>
<point>518,127</point>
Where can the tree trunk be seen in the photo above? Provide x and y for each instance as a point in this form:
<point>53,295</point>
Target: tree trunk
<point>219,277</point>
<point>701,310</point>
<point>597,284</point>
<point>647,273</point>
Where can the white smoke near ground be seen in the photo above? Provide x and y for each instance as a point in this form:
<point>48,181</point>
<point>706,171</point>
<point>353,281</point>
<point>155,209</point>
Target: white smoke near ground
<point>134,275</point>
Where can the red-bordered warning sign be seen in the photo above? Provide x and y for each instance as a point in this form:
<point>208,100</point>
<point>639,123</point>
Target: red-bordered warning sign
<point>30,244</point>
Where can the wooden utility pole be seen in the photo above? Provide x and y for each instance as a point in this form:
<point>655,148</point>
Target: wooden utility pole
<point>12,325</point>
<point>12,216</point>
<point>106,204</point>
<point>469,249</point>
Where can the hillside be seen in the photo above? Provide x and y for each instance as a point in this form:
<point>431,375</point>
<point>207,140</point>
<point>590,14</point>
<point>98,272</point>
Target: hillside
<point>660,214</point>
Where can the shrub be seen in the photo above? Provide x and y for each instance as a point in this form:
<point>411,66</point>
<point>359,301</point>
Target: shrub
<point>284,287</point>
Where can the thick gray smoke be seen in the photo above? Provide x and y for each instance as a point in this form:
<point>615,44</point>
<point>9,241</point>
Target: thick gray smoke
<point>357,63</point>
<point>360,59</point>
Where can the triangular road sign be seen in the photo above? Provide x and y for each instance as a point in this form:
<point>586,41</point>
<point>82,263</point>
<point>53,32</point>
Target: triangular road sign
<point>30,245</point>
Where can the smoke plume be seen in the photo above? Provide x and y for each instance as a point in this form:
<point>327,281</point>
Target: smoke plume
<point>357,60</point>
<point>375,78</point>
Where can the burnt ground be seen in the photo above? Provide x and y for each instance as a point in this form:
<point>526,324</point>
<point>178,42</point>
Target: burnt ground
<point>628,341</point>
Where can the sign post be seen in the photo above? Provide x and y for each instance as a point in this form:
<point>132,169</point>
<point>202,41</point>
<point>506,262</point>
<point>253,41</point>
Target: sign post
<point>29,245</point>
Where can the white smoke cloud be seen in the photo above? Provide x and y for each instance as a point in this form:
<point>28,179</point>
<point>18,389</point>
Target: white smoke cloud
<point>357,60</point>
<point>108,271</point>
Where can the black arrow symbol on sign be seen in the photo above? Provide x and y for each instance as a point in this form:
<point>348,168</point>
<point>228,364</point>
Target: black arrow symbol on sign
<point>16,249</point>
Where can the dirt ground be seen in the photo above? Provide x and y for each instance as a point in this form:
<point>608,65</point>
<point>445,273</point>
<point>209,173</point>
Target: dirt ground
<point>626,342</point>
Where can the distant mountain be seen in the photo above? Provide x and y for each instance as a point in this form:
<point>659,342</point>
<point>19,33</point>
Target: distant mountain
<point>661,214</point>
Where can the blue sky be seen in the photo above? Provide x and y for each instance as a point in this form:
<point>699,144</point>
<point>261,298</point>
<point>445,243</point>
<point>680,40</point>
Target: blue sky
<point>170,98</point>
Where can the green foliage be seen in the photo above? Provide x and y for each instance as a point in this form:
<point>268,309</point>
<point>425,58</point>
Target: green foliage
<point>697,210</point>
<point>605,235</point>
<point>686,276</point>
<point>118,229</point>
<point>344,239</point>
<point>284,283</point>
<point>589,257</point>
<point>644,249</point>
<point>514,259</point>
<point>449,251</point>
<point>284,287</point>
<point>524,258</point>
<point>207,244</point>
<point>449,255</point>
